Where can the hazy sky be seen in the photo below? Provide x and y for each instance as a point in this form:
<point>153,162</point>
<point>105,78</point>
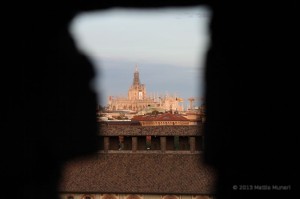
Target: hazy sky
<point>168,45</point>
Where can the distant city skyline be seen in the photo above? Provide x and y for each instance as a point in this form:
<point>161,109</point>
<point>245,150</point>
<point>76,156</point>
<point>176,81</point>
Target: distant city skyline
<point>168,45</point>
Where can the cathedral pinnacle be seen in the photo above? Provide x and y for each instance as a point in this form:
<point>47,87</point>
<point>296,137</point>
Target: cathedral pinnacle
<point>136,77</point>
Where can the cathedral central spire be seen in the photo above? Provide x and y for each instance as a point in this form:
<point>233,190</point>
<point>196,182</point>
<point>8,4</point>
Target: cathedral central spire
<point>136,76</point>
<point>137,91</point>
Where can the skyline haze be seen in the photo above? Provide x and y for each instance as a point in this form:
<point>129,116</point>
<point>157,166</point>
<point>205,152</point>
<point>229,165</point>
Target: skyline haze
<point>168,45</point>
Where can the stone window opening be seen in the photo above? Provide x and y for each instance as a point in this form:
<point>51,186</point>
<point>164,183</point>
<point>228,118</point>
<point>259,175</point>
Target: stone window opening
<point>148,142</point>
<point>121,142</point>
<point>141,143</point>
<point>153,143</point>
<point>87,197</point>
<point>125,142</point>
<point>176,143</point>
<point>184,143</point>
<point>171,197</point>
<point>199,143</point>
<point>170,143</point>
<point>133,196</point>
<point>109,196</point>
<point>114,143</point>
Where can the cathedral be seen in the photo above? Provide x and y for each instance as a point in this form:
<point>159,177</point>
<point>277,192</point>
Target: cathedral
<point>137,99</point>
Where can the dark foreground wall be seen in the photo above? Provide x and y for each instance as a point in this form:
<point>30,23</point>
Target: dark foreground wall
<point>250,87</point>
<point>250,99</point>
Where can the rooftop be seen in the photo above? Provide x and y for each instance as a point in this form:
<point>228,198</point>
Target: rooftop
<point>139,173</point>
<point>160,117</point>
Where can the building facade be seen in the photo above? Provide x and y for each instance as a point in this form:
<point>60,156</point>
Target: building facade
<point>142,162</point>
<point>138,100</point>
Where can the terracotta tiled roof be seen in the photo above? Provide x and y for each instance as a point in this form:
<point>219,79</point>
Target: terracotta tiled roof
<point>160,117</point>
<point>139,173</point>
<point>119,122</point>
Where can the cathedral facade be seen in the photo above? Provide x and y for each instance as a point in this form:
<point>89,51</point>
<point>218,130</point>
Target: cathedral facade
<point>138,100</point>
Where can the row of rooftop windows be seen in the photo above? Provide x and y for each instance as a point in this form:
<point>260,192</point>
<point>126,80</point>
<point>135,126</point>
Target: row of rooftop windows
<point>154,143</point>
